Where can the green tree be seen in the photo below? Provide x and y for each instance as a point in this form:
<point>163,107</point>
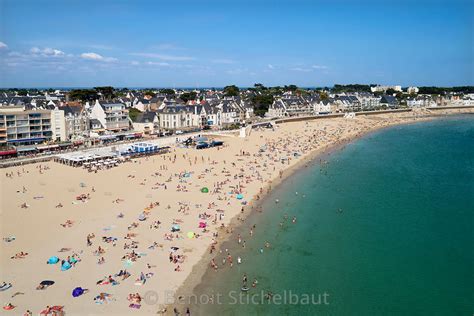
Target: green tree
<point>150,93</point>
<point>133,113</point>
<point>338,88</point>
<point>261,103</point>
<point>107,92</point>
<point>83,95</point>
<point>167,91</point>
<point>231,91</point>
<point>259,86</point>
<point>291,87</point>
<point>188,96</point>
<point>323,95</point>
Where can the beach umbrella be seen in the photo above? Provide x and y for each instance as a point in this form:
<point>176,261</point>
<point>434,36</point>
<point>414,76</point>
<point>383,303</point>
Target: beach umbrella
<point>53,260</point>
<point>190,235</point>
<point>175,228</point>
<point>240,196</point>
<point>47,282</point>
<point>78,291</point>
<point>205,190</point>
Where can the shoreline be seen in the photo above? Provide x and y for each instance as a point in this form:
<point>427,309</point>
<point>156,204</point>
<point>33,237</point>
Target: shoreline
<point>189,287</point>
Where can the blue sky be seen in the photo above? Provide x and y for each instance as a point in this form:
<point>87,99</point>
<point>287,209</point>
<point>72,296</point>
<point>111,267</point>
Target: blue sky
<point>215,43</point>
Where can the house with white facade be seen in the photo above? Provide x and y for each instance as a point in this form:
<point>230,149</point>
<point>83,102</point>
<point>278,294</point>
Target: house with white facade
<point>322,107</point>
<point>76,121</point>
<point>113,116</point>
<point>181,117</point>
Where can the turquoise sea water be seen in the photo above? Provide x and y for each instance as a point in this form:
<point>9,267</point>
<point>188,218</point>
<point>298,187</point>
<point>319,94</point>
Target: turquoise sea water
<point>386,227</point>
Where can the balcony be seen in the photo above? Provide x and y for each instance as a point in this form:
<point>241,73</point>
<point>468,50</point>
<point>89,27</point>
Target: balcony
<point>35,122</point>
<point>117,125</point>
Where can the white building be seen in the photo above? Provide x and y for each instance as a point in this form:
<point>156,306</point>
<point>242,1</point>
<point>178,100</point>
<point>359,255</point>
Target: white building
<point>385,88</point>
<point>369,101</point>
<point>58,125</point>
<point>76,121</point>
<point>412,90</point>
<point>181,117</point>
<point>112,116</point>
<point>146,123</point>
<point>322,107</point>
<point>26,127</point>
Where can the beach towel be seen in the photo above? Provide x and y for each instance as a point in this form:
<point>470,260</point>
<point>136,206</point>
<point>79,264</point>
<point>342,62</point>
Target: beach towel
<point>78,291</point>
<point>128,263</point>
<point>66,266</point>
<point>5,287</point>
<point>53,260</point>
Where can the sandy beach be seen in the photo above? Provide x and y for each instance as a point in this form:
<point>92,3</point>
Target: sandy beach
<point>128,217</point>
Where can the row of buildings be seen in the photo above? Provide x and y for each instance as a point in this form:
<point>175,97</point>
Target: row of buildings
<point>52,117</point>
<point>293,105</point>
<point>29,120</point>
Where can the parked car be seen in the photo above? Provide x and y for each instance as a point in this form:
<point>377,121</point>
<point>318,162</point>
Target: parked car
<point>215,143</point>
<point>202,145</point>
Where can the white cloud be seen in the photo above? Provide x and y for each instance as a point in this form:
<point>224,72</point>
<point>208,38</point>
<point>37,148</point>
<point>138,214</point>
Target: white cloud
<point>46,52</point>
<point>301,69</point>
<point>3,45</point>
<point>135,63</point>
<point>223,61</point>
<point>319,67</point>
<point>92,56</point>
<point>236,71</point>
<point>153,63</point>
<point>164,57</point>
<point>166,46</point>
<point>97,57</point>
<point>100,46</point>
<point>270,66</point>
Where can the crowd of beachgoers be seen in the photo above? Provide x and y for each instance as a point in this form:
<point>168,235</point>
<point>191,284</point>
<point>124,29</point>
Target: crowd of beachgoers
<point>99,243</point>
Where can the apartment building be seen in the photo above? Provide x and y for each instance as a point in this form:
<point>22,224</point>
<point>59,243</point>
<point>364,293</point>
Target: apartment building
<point>26,127</point>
